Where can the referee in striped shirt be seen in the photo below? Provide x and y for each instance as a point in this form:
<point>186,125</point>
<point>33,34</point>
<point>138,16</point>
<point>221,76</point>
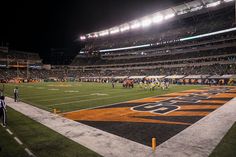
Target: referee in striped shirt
<point>3,109</point>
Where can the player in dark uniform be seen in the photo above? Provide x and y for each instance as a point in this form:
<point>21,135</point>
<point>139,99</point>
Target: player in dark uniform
<point>3,109</point>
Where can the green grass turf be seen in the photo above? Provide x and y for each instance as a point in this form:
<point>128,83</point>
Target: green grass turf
<point>9,147</point>
<point>75,96</point>
<point>227,146</point>
<point>42,141</point>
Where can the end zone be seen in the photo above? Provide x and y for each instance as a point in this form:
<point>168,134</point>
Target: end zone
<point>161,117</point>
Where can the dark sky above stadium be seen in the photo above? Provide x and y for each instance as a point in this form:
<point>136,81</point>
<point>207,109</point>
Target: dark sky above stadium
<point>39,25</point>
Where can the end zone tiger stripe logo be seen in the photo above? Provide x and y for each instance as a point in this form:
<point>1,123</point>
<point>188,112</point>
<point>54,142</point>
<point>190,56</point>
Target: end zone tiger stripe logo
<point>160,109</point>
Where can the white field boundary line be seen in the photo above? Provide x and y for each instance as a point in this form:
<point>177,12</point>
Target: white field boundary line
<point>202,137</point>
<point>81,96</point>
<point>93,99</point>
<point>66,97</point>
<point>105,144</point>
<point>34,104</point>
<point>40,96</point>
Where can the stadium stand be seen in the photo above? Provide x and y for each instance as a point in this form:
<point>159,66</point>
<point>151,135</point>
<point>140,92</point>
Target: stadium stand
<point>202,43</point>
<point>200,40</point>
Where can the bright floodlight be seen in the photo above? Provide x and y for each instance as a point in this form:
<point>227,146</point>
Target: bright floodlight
<point>228,0</point>
<point>146,22</point>
<point>168,16</point>
<point>103,33</point>
<point>95,35</point>
<point>124,28</point>
<point>157,19</point>
<point>135,25</point>
<point>82,37</point>
<point>114,31</point>
<point>90,36</point>
<point>197,8</point>
<point>182,12</point>
<point>214,4</point>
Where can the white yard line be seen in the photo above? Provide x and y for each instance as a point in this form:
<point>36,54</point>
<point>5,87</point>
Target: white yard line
<point>40,96</point>
<point>18,141</point>
<point>9,131</point>
<point>29,152</point>
<point>81,96</point>
<point>101,98</point>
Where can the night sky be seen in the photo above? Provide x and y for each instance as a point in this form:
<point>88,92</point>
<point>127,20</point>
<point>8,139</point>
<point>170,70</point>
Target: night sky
<point>40,25</point>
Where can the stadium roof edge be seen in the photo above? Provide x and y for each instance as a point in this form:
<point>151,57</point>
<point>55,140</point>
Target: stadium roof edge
<point>157,17</point>
<point>182,39</point>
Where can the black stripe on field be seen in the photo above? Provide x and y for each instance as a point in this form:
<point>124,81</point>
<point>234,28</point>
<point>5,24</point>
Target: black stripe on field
<point>197,110</point>
<point>121,105</point>
<point>230,92</point>
<point>183,119</point>
<point>139,132</point>
<point>220,99</point>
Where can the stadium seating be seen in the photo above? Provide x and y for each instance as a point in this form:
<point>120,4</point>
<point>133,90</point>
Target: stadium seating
<point>171,50</point>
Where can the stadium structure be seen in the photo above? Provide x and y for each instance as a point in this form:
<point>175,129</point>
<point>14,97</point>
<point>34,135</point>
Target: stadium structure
<point>191,46</point>
<point>193,40</point>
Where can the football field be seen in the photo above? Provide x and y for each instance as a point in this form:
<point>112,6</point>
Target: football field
<point>75,96</point>
<point>135,114</point>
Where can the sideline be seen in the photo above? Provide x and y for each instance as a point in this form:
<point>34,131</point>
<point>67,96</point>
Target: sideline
<point>105,144</point>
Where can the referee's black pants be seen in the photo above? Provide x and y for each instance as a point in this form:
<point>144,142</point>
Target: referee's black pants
<point>3,116</point>
<point>15,97</point>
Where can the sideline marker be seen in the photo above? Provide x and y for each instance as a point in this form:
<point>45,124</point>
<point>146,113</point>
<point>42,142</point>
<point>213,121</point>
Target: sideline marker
<point>154,144</point>
<point>55,111</point>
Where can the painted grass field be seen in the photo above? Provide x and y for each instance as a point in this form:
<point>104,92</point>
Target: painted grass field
<point>71,96</point>
<point>75,96</point>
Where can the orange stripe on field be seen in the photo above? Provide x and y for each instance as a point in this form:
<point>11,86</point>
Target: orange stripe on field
<point>221,102</point>
<point>224,95</point>
<point>188,113</point>
<point>198,107</point>
<point>117,115</point>
<point>148,100</point>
